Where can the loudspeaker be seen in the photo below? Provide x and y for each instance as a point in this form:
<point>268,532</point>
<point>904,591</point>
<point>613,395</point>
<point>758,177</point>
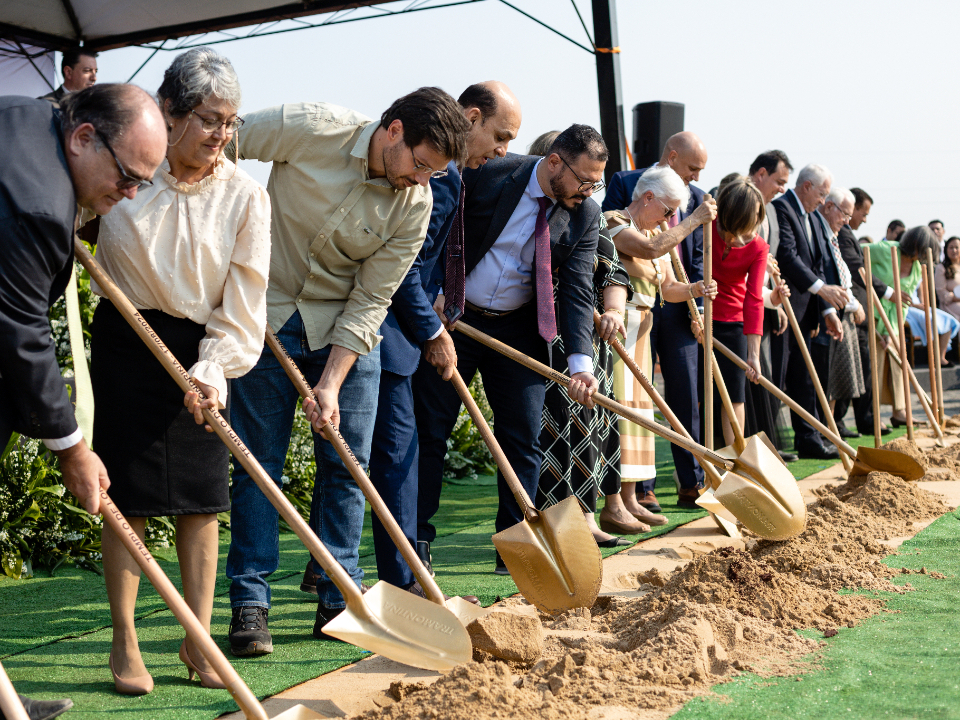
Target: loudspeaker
<point>653,123</point>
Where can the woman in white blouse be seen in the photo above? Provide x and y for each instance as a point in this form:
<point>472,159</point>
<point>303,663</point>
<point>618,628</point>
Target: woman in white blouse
<point>192,252</point>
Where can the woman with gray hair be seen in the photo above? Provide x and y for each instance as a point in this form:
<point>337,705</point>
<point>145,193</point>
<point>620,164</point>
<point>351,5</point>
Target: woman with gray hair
<point>643,250</point>
<point>192,252</point>
<point>911,248</point>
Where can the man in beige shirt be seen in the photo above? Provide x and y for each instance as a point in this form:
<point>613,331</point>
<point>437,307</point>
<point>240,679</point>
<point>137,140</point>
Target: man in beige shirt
<point>351,206</point>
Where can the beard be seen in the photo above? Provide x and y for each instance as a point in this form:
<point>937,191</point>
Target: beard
<point>392,159</point>
<point>570,202</point>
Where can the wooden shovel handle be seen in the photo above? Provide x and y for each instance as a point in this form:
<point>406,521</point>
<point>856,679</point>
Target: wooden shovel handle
<point>898,301</point>
<point>9,700</point>
<point>708,334</point>
<point>529,511</point>
<point>353,466</point>
<point>241,693</point>
<point>738,440</point>
<point>872,342</point>
<point>221,427</point>
<point>649,388</point>
<point>931,277</point>
<point>696,450</point>
<point>789,402</point>
<point>817,385</point>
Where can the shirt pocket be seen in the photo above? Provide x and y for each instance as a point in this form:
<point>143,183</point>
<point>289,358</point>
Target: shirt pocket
<point>358,240</point>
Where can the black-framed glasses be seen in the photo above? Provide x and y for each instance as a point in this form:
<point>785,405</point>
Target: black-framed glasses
<point>210,126</point>
<point>584,184</point>
<point>669,211</point>
<point>419,167</point>
<point>847,217</point>
<point>126,181</point>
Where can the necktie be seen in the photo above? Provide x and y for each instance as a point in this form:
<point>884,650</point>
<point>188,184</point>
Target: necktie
<point>806,225</point>
<point>842,268</point>
<point>454,263</point>
<point>546,317</point>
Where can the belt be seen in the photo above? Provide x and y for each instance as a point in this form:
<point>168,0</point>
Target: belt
<point>491,313</point>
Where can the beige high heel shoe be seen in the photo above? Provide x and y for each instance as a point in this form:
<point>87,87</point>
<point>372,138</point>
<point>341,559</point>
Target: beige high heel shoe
<point>131,686</point>
<point>207,679</point>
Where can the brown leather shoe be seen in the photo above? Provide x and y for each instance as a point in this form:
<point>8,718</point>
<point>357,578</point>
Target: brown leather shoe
<point>687,498</point>
<point>649,517</point>
<point>417,590</point>
<point>649,501</point>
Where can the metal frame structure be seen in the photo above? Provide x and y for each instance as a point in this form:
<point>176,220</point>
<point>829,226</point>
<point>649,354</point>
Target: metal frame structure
<point>292,16</point>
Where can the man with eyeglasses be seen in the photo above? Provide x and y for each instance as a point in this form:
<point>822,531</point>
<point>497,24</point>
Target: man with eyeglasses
<point>673,338</point>
<point>801,256</point>
<point>51,163</point>
<point>529,225</point>
<point>350,209</point>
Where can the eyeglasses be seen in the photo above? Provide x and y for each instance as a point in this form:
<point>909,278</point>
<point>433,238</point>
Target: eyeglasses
<point>669,212</point>
<point>846,216</point>
<point>126,182</point>
<point>210,126</point>
<point>419,167</point>
<point>584,184</point>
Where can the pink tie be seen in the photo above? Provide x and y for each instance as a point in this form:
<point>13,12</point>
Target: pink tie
<point>674,219</point>
<point>546,317</point>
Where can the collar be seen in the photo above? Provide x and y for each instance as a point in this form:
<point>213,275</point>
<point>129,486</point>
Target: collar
<point>533,185</point>
<point>361,148</point>
<point>796,200</point>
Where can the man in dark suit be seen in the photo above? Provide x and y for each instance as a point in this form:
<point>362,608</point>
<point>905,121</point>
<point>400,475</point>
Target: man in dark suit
<point>412,326</point>
<point>671,338</point>
<point>79,68</point>
<point>852,253</point>
<point>48,166</point>
<point>816,303</point>
<point>526,220</point>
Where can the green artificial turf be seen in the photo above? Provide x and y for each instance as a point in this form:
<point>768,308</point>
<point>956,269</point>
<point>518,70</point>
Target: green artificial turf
<point>58,628</point>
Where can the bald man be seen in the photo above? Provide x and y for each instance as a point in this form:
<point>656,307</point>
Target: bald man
<point>413,330</point>
<point>672,339</point>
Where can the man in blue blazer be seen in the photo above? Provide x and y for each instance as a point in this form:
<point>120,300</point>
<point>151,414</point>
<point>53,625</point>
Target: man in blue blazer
<point>671,338</point>
<point>512,205</point>
<point>412,328</point>
<point>815,302</point>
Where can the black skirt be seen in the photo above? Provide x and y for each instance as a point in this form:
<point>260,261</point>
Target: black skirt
<point>731,335</point>
<point>160,462</point>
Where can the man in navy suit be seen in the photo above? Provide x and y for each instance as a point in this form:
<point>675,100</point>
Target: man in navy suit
<point>672,338</point>
<point>801,256</point>
<point>512,205</point>
<point>412,328</point>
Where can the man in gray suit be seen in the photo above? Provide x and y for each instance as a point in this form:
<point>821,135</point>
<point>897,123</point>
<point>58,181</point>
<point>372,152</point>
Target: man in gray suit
<point>527,220</point>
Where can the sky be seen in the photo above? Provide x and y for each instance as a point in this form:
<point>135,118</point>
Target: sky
<point>867,89</point>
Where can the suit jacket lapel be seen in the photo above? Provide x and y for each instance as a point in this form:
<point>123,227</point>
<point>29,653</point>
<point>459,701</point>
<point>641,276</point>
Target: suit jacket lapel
<point>559,220</point>
<point>513,189</point>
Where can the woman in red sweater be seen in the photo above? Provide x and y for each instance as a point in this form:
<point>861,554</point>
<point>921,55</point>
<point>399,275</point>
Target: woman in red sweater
<point>739,266</point>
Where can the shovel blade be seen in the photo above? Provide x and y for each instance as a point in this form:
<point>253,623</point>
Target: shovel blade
<point>889,461</point>
<point>555,561</point>
<point>466,612</point>
<point>299,712</point>
<point>721,516</point>
<point>405,628</point>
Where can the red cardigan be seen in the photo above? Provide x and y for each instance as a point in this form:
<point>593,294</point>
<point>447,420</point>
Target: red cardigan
<point>739,279</point>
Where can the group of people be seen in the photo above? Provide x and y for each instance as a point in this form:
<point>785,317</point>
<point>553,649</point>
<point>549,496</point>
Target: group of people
<point>372,240</point>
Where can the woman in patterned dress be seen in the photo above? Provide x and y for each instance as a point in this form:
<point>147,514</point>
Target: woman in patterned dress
<point>634,231</point>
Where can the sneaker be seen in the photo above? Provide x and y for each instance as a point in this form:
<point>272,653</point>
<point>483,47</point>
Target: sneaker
<point>501,568</point>
<point>249,634</point>
<point>326,614</point>
<point>423,552</point>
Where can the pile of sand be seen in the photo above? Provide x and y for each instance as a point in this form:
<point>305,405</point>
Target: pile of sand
<point>723,613</point>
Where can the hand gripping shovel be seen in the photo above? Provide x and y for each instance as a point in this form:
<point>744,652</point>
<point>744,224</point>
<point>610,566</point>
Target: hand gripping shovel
<point>867,459</point>
<point>466,612</point>
<point>386,620</point>
<point>769,506</point>
<point>551,555</point>
<point>727,524</point>
<point>9,700</point>
<point>245,699</point>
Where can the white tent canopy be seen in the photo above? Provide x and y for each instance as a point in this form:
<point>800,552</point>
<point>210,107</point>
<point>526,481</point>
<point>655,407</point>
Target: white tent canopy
<point>18,76</point>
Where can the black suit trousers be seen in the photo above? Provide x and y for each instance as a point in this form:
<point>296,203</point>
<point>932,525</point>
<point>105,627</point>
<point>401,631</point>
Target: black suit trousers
<point>515,394</point>
<point>799,386</point>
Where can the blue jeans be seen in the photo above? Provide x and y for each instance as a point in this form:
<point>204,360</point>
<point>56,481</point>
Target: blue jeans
<point>264,403</point>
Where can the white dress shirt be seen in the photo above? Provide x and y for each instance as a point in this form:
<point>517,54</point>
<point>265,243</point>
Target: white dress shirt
<point>503,279</point>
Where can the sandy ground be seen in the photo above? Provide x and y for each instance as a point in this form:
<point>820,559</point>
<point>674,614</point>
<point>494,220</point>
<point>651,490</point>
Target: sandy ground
<point>364,685</point>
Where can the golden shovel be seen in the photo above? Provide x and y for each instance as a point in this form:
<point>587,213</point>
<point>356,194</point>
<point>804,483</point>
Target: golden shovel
<point>466,612</point>
<point>770,505</point>
<point>385,620</point>
<point>552,556</point>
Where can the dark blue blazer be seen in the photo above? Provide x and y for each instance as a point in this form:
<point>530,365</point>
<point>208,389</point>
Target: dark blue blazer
<point>620,194</point>
<point>800,265</point>
<point>411,320</point>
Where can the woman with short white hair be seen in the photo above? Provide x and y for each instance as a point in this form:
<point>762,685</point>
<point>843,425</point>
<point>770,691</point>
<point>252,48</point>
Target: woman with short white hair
<point>643,250</point>
<point>191,250</point>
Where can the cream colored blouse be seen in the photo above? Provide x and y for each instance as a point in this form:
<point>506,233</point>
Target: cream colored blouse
<point>199,251</point>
